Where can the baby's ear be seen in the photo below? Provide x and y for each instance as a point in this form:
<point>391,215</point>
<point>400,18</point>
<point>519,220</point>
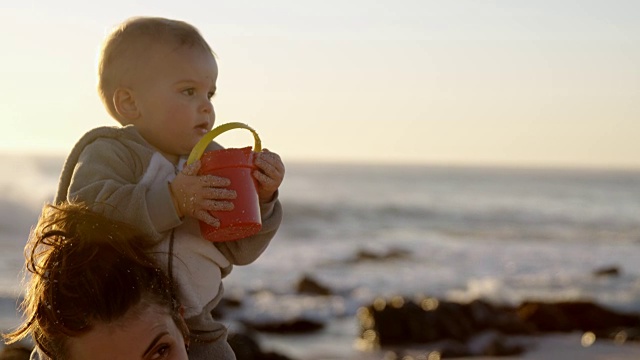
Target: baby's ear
<point>125,105</point>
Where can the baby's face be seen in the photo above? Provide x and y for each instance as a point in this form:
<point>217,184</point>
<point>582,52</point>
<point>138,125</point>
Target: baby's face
<point>173,95</point>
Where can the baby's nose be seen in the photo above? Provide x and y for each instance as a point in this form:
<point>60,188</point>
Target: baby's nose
<point>207,107</point>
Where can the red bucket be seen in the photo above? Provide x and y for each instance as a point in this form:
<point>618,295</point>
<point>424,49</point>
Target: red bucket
<point>236,165</point>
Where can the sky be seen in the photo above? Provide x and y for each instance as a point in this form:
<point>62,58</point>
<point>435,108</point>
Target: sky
<point>516,83</point>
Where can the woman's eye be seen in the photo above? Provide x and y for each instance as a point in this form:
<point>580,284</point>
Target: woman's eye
<point>189,92</point>
<point>210,95</point>
<point>161,352</point>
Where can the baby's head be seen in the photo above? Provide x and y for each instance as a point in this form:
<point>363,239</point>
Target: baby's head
<point>93,276</point>
<point>128,49</point>
<point>159,75</point>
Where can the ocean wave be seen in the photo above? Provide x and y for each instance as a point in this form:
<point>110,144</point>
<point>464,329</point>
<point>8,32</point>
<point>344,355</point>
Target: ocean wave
<point>16,217</point>
<point>9,316</point>
<point>307,220</point>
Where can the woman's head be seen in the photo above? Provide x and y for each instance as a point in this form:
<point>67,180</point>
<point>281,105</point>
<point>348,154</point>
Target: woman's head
<point>146,332</point>
<point>93,276</point>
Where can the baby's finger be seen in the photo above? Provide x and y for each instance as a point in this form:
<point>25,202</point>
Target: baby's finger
<point>269,157</point>
<point>204,216</point>
<point>213,205</point>
<point>219,194</point>
<point>272,165</point>
<point>214,181</point>
<point>267,168</point>
<point>191,169</point>
<point>264,180</point>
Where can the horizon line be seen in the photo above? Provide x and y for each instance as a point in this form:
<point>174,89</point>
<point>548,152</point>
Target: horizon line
<point>513,165</point>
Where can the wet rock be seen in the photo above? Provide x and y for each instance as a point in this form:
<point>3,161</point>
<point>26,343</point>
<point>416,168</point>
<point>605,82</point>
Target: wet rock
<point>545,317</point>
<point>400,321</point>
<point>246,347</point>
<point>450,349</point>
<point>226,304</point>
<point>479,328</point>
<point>293,326</point>
<point>391,254</point>
<point>308,285</point>
<point>576,315</point>
<point>612,271</point>
<point>15,352</point>
<point>502,318</point>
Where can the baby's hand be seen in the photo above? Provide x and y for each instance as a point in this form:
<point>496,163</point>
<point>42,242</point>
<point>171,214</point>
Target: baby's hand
<point>195,195</point>
<point>269,174</point>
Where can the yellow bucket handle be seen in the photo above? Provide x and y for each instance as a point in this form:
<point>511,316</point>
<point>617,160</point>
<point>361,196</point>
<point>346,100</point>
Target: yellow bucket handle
<point>200,147</point>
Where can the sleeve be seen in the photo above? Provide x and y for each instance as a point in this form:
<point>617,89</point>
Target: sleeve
<point>247,250</point>
<point>107,175</point>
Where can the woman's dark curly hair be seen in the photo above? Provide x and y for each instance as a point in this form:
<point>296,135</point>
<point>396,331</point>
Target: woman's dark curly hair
<point>86,269</point>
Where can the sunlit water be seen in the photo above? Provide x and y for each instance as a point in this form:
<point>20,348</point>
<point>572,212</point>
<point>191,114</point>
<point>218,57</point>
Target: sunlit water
<point>504,235</point>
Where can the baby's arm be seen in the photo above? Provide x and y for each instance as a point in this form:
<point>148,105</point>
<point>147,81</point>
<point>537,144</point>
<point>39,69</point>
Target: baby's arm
<point>110,174</point>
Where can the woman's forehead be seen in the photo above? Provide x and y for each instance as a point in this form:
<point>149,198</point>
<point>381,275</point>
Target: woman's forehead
<point>126,338</point>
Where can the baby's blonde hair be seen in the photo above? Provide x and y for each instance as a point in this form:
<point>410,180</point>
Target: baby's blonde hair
<point>125,50</point>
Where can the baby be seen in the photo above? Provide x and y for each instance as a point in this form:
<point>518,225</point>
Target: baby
<point>156,78</point>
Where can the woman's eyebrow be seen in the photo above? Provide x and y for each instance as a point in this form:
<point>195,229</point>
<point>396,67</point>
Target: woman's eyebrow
<point>154,342</point>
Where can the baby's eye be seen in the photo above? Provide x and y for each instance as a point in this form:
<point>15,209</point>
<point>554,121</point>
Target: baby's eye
<point>189,92</point>
<point>210,95</point>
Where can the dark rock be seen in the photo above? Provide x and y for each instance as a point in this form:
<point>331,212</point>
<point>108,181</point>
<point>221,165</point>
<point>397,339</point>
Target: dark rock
<point>15,352</point>
<point>400,321</point>
<point>225,304</point>
<point>589,316</point>
<point>270,355</point>
<point>450,349</point>
<point>545,317</point>
<point>613,271</point>
<point>479,328</point>
<point>576,315</point>
<point>308,285</point>
<point>246,347</point>
<point>295,326</point>
<point>504,319</point>
<point>453,322</point>
<point>394,324</point>
<point>391,254</point>
<point>482,313</point>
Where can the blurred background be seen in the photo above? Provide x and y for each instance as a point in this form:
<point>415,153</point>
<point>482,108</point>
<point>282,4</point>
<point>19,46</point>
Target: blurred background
<point>545,83</point>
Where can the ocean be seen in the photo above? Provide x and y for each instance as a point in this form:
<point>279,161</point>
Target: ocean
<point>500,234</point>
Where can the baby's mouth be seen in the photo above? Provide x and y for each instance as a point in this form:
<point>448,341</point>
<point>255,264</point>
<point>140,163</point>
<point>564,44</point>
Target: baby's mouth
<point>202,128</point>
